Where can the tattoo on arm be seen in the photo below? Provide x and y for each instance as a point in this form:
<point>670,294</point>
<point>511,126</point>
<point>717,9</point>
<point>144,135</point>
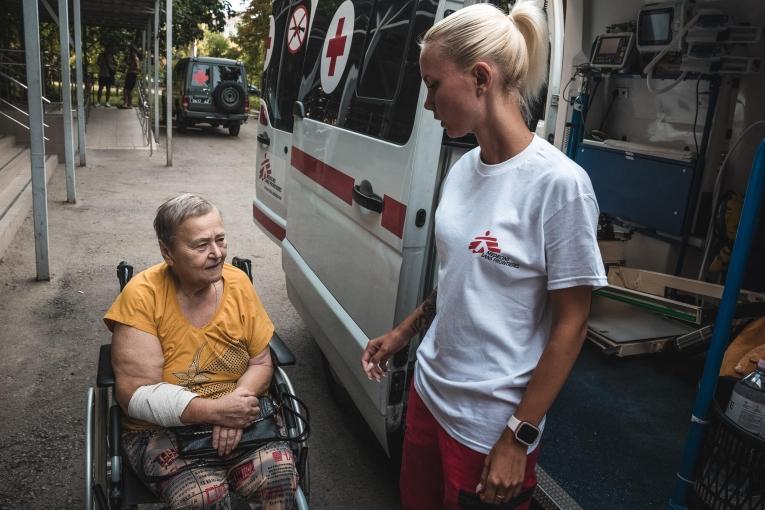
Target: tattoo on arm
<point>427,312</point>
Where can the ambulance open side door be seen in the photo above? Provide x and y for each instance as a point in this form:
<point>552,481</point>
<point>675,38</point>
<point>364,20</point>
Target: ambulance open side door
<point>286,43</point>
<point>362,177</point>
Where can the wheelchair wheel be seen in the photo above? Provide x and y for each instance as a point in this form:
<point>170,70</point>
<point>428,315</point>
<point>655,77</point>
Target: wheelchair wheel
<point>282,383</point>
<point>96,430</point>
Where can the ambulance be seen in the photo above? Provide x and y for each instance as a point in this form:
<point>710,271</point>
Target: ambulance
<point>349,167</point>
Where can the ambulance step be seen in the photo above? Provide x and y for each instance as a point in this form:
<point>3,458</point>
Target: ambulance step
<point>550,496</point>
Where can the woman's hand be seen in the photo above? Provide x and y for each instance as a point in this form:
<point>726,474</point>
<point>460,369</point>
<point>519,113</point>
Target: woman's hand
<point>374,359</point>
<point>236,410</point>
<point>503,471</point>
<point>225,439</point>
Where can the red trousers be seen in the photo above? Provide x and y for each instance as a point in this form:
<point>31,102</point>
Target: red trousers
<point>435,468</point>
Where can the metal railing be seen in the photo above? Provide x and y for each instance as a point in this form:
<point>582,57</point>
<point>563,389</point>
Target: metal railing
<point>144,115</point>
<point>7,68</point>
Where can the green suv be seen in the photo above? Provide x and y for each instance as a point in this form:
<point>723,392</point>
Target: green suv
<point>213,91</point>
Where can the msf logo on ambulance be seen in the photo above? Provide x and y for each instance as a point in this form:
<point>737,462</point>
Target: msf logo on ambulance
<point>488,247</point>
<point>265,170</point>
<point>270,185</point>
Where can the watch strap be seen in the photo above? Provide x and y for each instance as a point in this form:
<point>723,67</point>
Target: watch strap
<point>513,423</point>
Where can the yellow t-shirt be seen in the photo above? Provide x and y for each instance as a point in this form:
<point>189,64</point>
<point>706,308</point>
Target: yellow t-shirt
<point>207,360</point>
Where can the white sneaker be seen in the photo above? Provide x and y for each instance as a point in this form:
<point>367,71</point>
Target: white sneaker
<point>96,105</point>
<point>107,105</point>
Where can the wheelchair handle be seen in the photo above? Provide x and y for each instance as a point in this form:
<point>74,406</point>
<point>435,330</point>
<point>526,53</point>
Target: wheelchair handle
<point>124,273</point>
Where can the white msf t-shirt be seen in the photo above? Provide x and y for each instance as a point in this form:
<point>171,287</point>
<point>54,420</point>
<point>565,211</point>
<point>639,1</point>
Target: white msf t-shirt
<point>506,234</point>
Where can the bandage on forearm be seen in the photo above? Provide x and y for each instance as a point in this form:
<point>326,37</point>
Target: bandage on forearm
<point>162,403</point>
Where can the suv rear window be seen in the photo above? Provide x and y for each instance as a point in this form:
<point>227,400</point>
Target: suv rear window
<point>208,76</point>
<point>200,76</point>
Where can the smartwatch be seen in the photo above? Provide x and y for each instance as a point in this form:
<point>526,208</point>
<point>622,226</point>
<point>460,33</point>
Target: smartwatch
<point>525,432</point>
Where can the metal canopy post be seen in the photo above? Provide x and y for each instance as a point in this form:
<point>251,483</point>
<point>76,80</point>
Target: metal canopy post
<point>144,68</point>
<point>36,142</point>
<point>66,97</point>
<point>156,70</point>
<point>79,64</point>
<point>169,78</point>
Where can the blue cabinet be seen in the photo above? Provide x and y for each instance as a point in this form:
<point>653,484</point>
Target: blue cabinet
<point>653,191</point>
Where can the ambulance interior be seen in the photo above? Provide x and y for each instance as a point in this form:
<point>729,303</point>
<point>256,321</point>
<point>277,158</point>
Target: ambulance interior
<point>661,104</point>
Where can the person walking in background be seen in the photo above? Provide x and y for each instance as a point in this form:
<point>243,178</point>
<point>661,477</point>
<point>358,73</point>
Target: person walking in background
<point>518,257</point>
<point>133,64</point>
<point>107,68</point>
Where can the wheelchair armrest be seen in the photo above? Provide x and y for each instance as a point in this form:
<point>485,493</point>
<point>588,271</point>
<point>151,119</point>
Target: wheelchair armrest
<point>281,352</point>
<point>105,374</point>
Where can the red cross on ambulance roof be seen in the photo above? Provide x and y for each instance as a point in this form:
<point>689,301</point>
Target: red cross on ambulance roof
<point>337,46</point>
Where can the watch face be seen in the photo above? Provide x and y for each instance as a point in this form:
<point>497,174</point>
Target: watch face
<point>526,433</point>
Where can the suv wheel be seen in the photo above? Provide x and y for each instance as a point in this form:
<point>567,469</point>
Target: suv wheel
<point>233,129</point>
<point>229,97</point>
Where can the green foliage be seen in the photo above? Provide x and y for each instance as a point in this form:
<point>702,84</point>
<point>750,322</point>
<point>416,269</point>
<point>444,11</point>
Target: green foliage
<point>217,45</point>
<point>252,31</point>
<point>190,15</point>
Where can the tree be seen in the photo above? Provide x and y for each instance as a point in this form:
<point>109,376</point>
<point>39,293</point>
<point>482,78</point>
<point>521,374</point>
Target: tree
<point>217,45</point>
<point>190,15</point>
<point>251,34</point>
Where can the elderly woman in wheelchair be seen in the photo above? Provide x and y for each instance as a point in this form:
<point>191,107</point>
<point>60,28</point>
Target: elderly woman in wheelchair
<point>190,345</point>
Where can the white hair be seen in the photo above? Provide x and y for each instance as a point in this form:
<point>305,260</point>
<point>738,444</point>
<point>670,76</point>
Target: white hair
<point>517,43</point>
<point>172,213</point>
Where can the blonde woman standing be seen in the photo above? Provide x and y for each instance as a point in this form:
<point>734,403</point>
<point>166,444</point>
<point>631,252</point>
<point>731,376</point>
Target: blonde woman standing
<point>516,239</point>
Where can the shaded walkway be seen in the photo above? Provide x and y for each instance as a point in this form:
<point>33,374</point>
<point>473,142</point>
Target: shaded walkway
<point>115,128</point>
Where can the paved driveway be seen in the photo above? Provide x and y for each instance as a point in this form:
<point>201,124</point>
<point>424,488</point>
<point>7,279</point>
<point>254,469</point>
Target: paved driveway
<point>51,331</point>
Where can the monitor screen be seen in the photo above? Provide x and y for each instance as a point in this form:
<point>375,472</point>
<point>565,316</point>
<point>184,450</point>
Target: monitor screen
<point>608,45</point>
<point>655,27</point>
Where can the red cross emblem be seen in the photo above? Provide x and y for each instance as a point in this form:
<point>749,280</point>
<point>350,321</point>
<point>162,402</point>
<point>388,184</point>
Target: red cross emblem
<point>336,46</point>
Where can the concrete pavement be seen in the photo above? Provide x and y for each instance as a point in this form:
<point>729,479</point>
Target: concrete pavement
<point>51,331</point>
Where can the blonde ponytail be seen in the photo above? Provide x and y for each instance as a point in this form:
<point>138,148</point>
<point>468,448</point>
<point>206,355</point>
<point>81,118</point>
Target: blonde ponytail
<point>516,42</point>
<point>532,24</point>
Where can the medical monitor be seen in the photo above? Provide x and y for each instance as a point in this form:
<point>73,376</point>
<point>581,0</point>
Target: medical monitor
<point>657,25</point>
<point>611,51</point>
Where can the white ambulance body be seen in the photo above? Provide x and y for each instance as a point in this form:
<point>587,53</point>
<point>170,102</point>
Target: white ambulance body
<point>349,167</point>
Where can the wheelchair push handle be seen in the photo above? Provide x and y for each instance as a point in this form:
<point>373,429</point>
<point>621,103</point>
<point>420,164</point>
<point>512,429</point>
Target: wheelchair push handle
<point>124,273</point>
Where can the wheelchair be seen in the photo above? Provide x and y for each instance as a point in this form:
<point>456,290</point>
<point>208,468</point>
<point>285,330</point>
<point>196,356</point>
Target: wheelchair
<point>110,482</point>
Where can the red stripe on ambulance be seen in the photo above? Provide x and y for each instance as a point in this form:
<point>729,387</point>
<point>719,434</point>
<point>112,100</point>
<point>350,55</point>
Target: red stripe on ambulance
<point>330,178</point>
<point>341,185</point>
<point>393,215</point>
<point>269,224</point>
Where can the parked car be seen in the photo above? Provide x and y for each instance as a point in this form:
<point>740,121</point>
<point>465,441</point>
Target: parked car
<point>214,91</point>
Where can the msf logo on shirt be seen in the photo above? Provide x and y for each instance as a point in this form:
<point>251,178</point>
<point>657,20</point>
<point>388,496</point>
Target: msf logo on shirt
<point>489,249</point>
<point>484,243</point>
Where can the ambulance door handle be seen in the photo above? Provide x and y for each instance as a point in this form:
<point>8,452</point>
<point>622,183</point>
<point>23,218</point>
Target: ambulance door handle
<point>366,198</point>
<point>298,109</point>
<point>264,139</point>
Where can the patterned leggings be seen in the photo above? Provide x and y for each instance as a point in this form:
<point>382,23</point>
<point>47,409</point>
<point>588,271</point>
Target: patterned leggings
<point>266,478</point>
